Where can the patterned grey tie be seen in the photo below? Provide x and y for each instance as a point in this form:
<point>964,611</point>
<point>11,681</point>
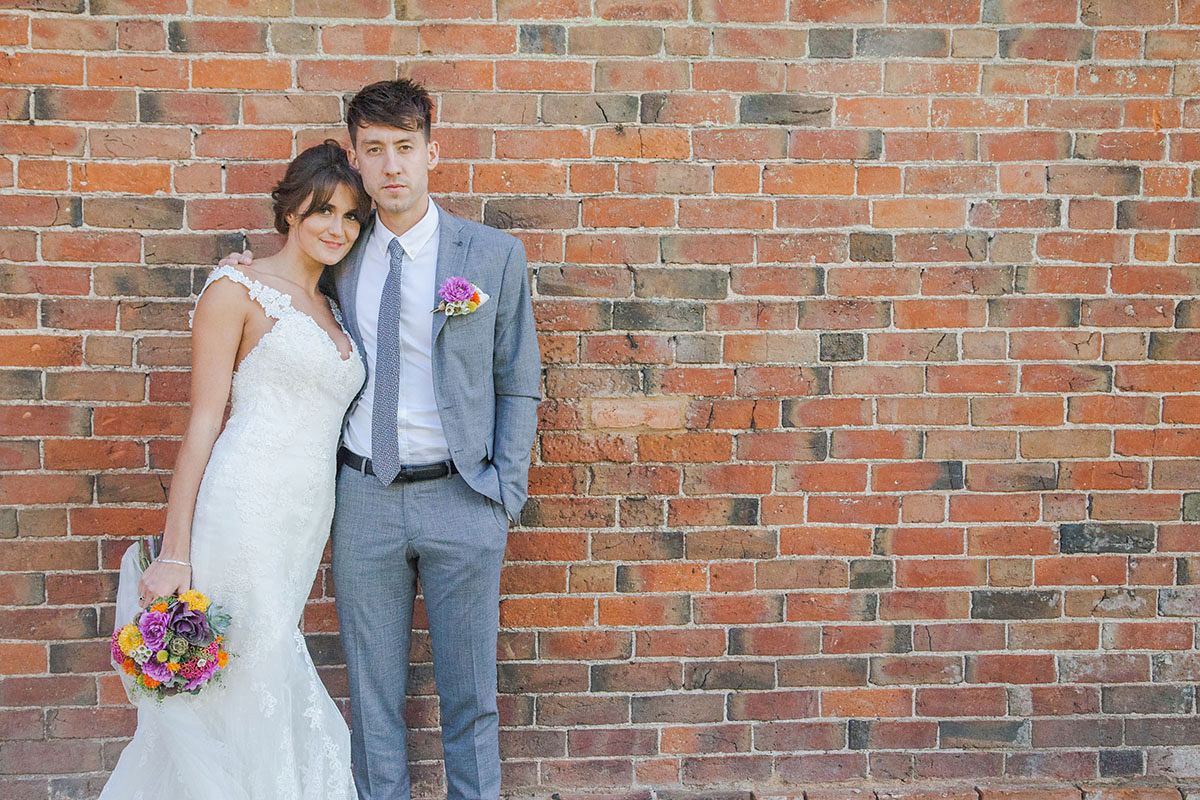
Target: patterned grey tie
<point>385,447</point>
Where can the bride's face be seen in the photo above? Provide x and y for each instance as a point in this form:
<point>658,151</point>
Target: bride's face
<point>326,234</point>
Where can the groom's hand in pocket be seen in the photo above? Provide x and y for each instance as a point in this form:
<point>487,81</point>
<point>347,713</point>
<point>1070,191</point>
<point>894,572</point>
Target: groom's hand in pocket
<point>243,259</point>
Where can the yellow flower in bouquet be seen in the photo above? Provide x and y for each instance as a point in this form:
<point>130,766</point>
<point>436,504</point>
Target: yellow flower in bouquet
<point>197,601</point>
<point>129,638</point>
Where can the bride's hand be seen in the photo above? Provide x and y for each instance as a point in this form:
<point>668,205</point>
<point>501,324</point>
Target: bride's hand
<point>237,260</point>
<point>163,580</point>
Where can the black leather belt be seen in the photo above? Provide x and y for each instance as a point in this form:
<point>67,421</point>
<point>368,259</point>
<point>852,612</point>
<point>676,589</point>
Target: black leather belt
<point>408,473</point>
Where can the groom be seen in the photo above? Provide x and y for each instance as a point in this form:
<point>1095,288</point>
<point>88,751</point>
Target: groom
<point>435,455</point>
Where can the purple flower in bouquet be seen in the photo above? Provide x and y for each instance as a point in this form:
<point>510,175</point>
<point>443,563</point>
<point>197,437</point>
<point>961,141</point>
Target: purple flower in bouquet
<point>456,290</point>
<point>153,625</point>
<point>188,624</point>
<point>158,670</point>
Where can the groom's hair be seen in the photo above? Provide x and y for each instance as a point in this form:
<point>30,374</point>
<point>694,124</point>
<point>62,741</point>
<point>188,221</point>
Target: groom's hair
<point>400,104</point>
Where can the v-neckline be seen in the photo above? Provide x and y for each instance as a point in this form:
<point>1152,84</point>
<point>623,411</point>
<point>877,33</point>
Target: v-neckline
<point>292,305</point>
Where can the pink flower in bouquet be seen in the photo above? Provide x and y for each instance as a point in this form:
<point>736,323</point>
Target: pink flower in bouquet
<point>118,655</point>
<point>153,625</point>
<point>202,675</point>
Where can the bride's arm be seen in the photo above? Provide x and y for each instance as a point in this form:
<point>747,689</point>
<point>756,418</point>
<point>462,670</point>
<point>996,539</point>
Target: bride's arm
<point>217,328</point>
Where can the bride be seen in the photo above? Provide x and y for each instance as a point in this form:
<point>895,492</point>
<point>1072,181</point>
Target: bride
<point>249,512</point>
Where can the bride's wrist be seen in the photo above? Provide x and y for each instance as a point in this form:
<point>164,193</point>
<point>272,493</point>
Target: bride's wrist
<point>162,560</point>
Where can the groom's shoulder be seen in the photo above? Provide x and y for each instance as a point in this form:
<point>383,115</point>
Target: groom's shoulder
<point>485,234</point>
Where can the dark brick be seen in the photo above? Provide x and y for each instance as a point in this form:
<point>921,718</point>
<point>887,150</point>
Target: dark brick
<point>982,733</point>
<point>192,248</point>
<point>538,213</point>
<point>1024,604</point>
<point>1076,732</point>
<point>1106,537</point>
<point>590,109</point>
<point>786,109</point>
<point>550,40</point>
<point>1122,763</point>
<point>1174,345</point>
<point>196,36</point>
<point>184,108</point>
<point>658,316</point>
<point>1046,44</point>
<point>906,42</point>
<point>678,708</point>
<point>1191,506</point>
<point>729,675</point>
<point>830,43</point>
<point>1162,215</point>
<point>648,676</point>
<point>1187,312</point>
<point>1093,179</point>
<point>20,384</point>
<point>680,794</point>
<point>871,247</point>
<point>870,573</point>
<point>542,678</point>
<point>159,213</point>
<point>680,282</point>
<point>1147,699</point>
<point>950,476</point>
<point>1179,602</point>
<point>70,104</point>
<point>1020,476</point>
<point>325,649</point>
<point>841,347</point>
<point>1162,731</point>
<point>80,657</point>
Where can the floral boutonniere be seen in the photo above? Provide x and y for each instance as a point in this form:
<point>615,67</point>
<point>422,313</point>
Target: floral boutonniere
<point>459,296</point>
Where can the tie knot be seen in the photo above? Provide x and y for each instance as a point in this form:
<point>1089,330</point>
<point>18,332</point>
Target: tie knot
<point>396,251</point>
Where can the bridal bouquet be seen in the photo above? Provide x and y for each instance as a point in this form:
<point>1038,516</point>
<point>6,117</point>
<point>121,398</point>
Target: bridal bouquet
<point>173,645</point>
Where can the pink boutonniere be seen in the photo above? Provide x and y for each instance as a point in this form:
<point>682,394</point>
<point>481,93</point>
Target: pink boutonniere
<point>459,296</point>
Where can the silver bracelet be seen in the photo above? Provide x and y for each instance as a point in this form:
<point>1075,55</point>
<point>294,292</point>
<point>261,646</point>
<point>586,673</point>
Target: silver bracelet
<point>173,561</point>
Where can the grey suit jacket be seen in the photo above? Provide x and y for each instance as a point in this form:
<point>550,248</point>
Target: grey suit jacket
<point>486,364</point>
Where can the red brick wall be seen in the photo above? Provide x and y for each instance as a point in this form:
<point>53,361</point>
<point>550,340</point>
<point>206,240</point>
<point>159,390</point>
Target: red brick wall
<point>868,448</point>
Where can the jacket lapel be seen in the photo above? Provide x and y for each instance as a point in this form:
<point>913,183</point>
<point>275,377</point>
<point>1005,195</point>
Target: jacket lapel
<point>452,250</point>
<point>347,283</point>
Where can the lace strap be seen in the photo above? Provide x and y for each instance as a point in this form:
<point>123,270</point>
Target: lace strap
<point>337,311</point>
<point>274,302</point>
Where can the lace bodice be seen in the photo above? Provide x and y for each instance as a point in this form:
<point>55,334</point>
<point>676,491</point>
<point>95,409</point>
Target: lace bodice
<point>294,381</point>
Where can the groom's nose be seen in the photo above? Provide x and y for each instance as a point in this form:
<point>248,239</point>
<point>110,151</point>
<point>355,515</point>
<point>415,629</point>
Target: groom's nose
<point>391,162</point>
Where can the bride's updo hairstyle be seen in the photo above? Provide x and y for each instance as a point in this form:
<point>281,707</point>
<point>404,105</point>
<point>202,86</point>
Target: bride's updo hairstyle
<point>317,172</point>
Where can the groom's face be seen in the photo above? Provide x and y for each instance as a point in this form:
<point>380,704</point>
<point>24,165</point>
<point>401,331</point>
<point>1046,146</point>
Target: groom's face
<point>394,164</point>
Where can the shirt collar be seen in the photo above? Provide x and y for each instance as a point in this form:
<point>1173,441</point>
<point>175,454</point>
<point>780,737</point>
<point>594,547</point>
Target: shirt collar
<point>412,240</point>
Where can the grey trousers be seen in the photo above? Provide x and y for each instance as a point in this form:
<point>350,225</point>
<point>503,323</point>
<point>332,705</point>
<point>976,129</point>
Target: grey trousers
<point>384,539</point>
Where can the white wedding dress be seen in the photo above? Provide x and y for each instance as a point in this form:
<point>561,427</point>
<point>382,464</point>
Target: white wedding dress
<point>267,730</point>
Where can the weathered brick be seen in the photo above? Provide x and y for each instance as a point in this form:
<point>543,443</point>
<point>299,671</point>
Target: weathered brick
<point>993,604</point>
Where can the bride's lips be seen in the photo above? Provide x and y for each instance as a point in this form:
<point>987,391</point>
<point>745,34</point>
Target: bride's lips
<point>333,245</point>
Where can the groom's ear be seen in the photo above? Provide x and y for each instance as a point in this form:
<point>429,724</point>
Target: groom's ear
<point>352,155</point>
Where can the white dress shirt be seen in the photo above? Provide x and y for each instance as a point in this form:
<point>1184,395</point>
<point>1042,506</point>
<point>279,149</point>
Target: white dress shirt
<point>419,426</point>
